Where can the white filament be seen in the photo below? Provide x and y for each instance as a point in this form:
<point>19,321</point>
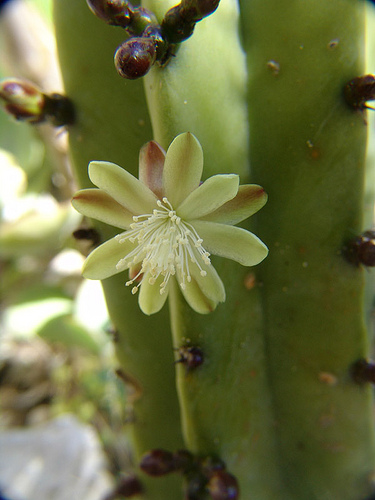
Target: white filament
<point>165,243</point>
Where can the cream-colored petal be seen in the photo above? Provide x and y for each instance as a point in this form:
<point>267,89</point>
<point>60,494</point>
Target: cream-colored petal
<point>182,168</point>
<point>151,164</point>
<point>249,199</point>
<point>123,187</point>
<point>150,299</point>
<point>196,299</point>
<point>97,204</point>
<point>101,262</point>
<point>210,284</point>
<point>231,242</point>
<point>210,195</point>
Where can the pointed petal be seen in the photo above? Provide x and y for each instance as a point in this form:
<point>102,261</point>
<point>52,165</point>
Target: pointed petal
<point>101,263</point>
<point>182,168</point>
<point>150,299</point>
<point>211,285</point>
<point>196,299</point>
<point>97,204</point>
<point>151,164</point>
<point>249,199</point>
<point>210,195</point>
<point>122,186</point>
<point>231,242</point>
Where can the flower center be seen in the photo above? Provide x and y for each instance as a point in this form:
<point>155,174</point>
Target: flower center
<point>165,245</point>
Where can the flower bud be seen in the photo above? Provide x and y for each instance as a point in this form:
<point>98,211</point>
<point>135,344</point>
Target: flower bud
<point>135,57</point>
<point>223,486</point>
<point>195,10</point>
<point>113,12</point>
<point>175,27</point>
<point>23,100</point>
<point>28,103</point>
<point>158,463</point>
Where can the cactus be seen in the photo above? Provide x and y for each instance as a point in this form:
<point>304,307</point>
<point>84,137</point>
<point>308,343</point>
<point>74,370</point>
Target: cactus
<point>267,396</point>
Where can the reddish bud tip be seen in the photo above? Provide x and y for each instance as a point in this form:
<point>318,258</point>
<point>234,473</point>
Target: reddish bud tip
<point>23,100</point>
<point>198,9</point>
<point>175,27</point>
<point>113,12</point>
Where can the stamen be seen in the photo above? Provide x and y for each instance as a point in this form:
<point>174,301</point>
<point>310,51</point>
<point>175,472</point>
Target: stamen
<point>163,244</point>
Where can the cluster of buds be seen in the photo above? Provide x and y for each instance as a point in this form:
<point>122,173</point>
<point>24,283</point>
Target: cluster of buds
<point>204,476</point>
<point>26,102</point>
<point>149,41</point>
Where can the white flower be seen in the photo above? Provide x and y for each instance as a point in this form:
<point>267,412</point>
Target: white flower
<point>172,224</point>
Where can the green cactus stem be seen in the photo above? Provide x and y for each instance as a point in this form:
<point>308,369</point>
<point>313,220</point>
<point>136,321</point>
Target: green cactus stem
<point>308,150</point>
<point>112,124</point>
<point>273,394</point>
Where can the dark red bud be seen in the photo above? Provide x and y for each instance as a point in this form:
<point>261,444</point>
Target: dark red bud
<point>113,12</point>
<point>158,463</point>
<point>175,27</point>
<point>223,486</point>
<point>22,99</point>
<point>360,90</point>
<point>135,57</point>
<point>198,9</point>
<point>26,102</point>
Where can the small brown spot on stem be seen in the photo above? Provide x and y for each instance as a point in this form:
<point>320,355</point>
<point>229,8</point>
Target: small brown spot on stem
<point>328,378</point>
<point>273,66</point>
